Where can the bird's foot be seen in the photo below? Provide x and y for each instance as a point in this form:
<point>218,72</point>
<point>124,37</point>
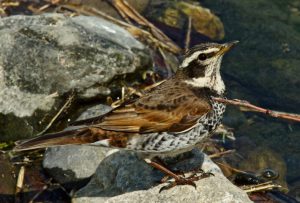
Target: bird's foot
<point>201,174</point>
<point>190,180</point>
<point>180,181</point>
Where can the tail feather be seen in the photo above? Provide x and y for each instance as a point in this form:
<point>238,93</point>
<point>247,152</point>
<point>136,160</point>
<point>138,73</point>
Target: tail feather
<point>78,136</point>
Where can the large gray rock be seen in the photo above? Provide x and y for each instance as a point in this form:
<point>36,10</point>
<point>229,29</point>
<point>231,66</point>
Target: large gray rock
<point>124,177</point>
<point>43,58</point>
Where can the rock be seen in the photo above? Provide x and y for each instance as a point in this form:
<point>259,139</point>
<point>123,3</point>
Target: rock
<point>262,158</point>
<point>62,54</point>
<point>215,189</point>
<point>106,7</point>
<point>176,13</point>
<point>203,20</point>
<point>124,177</point>
<point>192,160</point>
<point>94,111</point>
<point>72,163</point>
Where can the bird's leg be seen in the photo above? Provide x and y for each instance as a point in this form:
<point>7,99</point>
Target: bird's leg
<point>178,180</point>
<point>158,161</point>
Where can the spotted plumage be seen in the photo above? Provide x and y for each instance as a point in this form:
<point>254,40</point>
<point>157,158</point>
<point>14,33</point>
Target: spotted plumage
<point>165,142</point>
<point>170,118</point>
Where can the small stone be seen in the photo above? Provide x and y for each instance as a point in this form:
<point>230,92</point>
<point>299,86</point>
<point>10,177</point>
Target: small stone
<point>94,111</point>
<point>71,163</point>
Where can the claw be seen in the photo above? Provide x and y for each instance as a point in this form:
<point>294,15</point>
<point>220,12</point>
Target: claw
<point>201,174</point>
<point>181,181</point>
<point>166,187</point>
<point>205,175</point>
<point>178,179</point>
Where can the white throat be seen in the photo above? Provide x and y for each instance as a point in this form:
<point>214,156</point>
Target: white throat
<point>215,84</point>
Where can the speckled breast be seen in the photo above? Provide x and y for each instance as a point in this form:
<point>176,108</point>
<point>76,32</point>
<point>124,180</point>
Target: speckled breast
<point>213,119</point>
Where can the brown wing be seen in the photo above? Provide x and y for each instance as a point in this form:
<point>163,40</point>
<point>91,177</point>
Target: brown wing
<point>168,108</point>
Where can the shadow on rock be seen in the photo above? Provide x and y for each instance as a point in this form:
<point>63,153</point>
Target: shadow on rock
<point>119,173</point>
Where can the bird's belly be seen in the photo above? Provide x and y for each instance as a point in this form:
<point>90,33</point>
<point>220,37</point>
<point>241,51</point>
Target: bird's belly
<point>169,142</point>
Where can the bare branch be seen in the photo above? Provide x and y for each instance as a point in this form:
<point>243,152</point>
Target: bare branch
<point>250,107</point>
<point>219,154</point>
<point>188,34</point>
<point>63,108</point>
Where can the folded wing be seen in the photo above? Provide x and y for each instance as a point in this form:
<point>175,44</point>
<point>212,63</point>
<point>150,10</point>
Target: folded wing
<point>163,110</point>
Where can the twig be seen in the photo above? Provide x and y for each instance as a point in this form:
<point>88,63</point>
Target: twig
<point>135,31</point>
<point>131,91</point>
<point>225,132</point>
<point>124,7</point>
<point>261,187</point>
<point>218,154</point>
<point>20,180</point>
<point>250,107</point>
<point>169,69</point>
<point>65,106</point>
<point>188,34</point>
<point>154,85</point>
<point>48,185</point>
<point>45,187</point>
<point>44,7</point>
<point>122,14</point>
<point>10,4</point>
<point>228,167</point>
<point>250,188</point>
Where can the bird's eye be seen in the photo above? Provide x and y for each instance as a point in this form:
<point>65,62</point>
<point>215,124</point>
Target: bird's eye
<point>202,57</point>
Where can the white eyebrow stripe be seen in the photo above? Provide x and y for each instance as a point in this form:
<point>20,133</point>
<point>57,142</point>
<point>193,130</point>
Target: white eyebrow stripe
<point>186,61</point>
<point>213,49</point>
<point>192,57</point>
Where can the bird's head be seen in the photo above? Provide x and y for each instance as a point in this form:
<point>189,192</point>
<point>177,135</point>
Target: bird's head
<point>201,65</point>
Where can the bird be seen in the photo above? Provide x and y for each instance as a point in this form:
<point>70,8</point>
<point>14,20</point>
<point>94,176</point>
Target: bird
<point>166,120</point>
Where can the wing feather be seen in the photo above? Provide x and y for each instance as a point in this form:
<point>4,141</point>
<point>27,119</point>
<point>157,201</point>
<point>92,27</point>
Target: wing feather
<point>159,112</point>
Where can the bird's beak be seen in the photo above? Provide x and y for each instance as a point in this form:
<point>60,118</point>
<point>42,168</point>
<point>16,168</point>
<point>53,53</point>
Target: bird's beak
<point>226,47</point>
